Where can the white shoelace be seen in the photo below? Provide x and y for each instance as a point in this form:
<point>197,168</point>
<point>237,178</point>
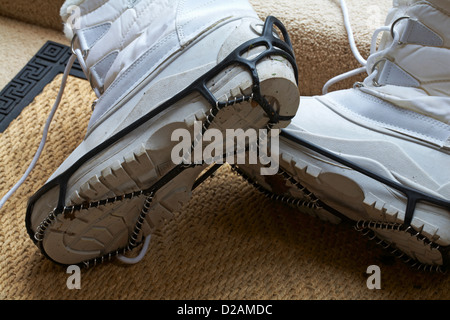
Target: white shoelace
<point>44,134</point>
<point>366,64</point>
<point>71,61</point>
<point>141,254</point>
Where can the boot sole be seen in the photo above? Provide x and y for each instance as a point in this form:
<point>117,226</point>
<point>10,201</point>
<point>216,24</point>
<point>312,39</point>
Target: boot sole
<point>87,231</point>
<point>352,197</point>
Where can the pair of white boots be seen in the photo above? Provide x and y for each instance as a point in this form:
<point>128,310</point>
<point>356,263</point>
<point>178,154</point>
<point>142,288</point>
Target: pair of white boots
<point>376,155</point>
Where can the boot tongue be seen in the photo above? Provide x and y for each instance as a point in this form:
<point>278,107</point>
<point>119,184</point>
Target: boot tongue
<point>413,70</point>
<point>398,10</point>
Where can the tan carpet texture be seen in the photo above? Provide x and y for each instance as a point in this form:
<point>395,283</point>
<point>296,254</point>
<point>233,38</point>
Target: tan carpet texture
<point>229,242</point>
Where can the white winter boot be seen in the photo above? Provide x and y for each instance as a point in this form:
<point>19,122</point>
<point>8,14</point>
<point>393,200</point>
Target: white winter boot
<point>156,66</point>
<point>379,153</point>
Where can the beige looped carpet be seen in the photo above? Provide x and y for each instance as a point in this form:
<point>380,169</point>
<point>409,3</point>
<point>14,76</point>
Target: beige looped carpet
<point>229,242</point>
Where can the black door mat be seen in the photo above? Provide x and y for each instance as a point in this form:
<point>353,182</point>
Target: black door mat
<point>48,62</point>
